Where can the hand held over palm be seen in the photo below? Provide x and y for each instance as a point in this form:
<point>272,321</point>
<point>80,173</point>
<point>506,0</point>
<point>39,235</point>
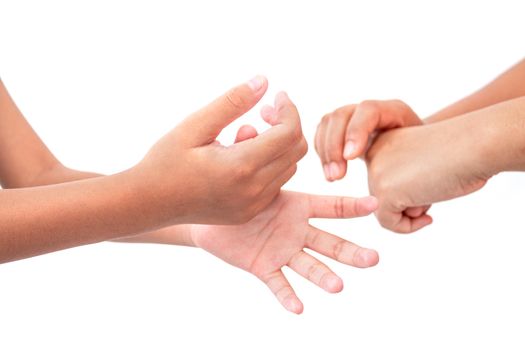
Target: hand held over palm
<point>188,177</point>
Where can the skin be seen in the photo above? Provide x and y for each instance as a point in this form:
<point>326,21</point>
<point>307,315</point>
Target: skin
<point>46,207</point>
<point>278,237</point>
<point>461,148</point>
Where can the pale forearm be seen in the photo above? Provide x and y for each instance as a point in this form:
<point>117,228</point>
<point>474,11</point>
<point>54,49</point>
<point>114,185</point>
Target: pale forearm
<point>496,137</point>
<point>507,86</point>
<point>503,126</point>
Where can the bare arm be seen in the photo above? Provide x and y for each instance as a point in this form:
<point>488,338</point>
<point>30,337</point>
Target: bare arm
<point>47,207</point>
<point>459,155</point>
<point>507,86</point>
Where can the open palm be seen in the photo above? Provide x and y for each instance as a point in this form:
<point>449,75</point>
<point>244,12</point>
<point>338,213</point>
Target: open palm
<point>277,237</point>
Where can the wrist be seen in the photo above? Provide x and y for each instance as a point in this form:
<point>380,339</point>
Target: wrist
<point>162,203</point>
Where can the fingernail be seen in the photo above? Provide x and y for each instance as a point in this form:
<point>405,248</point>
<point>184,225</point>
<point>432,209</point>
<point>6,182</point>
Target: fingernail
<point>326,168</point>
<point>256,83</point>
<point>349,149</point>
<point>334,170</point>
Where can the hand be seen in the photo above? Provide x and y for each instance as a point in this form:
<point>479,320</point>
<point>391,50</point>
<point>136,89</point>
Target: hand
<point>278,236</point>
<point>411,168</point>
<point>346,133</point>
<point>192,178</point>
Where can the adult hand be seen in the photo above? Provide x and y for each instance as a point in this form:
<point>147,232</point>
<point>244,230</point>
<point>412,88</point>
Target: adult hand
<point>192,178</point>
<point>346,133</point>
<point>278,236</point>
<point>411,168</point>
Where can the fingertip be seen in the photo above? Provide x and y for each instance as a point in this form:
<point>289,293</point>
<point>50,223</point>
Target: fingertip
<point>369,204</point>
<point>333,284</point>
<point>294,305</point>
<point>281,97</point>
<point>268,113</point>
<point>369,258</point>
<point>258,84</point>
<point>337,170</point>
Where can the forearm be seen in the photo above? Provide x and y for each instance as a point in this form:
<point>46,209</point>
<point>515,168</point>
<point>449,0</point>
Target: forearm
<point>496,137</point>
<point>42,219</point>
<point>507,86</point>
<point>174,235</point>
<point>504,127</point>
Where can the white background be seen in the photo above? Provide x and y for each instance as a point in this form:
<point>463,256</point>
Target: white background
<point>100,81</point>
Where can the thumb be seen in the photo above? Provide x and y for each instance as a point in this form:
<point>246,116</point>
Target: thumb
<point>203,126</point>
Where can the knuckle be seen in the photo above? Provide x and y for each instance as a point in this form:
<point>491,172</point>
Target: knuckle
<point>244,171</point>
<point>401,107</point>
<point>303,147</point>
<point>385,223</point>
<point>313,270</point>
<point>338,249</point>
<point>326,118</point>
<point>314,239</point>
<point>297,133</point>
<point>293,170</point>
<point>397,102</point>
<point>343,114</point>
<point>235,99</point>
<point>345,109</point>
<point>339,207</point>
<point>335,152</point>
<point>369,105</point>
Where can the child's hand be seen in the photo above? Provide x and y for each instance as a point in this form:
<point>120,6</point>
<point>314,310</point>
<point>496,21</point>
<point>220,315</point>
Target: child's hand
<point>189,177</point>
<point>346,133</point>
<point>278,236</point>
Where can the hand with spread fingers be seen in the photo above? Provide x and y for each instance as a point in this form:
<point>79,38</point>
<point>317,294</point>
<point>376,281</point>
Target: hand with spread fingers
<point>278,237</point>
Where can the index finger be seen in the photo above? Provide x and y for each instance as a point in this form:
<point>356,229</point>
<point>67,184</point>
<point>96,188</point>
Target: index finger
<point>281,137</point>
